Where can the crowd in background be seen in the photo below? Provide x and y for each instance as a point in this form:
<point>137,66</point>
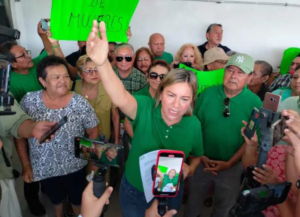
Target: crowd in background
<point>107,88</point>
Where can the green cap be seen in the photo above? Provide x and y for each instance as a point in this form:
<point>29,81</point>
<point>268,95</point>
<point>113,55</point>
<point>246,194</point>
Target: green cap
<point>243,61</point>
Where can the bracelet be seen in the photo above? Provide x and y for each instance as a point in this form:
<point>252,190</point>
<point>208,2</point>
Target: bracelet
<point>55,46</point>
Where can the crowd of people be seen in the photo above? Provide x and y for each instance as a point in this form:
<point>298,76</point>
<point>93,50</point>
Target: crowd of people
<point>105,85</point>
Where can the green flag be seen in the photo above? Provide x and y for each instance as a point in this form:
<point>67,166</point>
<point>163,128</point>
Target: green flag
<point>72,20</point>
<point>206,79</point>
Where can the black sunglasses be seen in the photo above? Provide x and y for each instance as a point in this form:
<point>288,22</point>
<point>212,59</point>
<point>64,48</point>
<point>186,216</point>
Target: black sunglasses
<point>226,111</point>
<point>154,75</point>
<point>120,59</point>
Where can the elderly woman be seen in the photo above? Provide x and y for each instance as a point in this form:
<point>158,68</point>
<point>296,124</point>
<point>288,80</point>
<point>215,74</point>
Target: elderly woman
<point>143,59</point>
<point>91,88</point>
<point>293,90</point>
<point>54,164</point>
<point>188,53</point>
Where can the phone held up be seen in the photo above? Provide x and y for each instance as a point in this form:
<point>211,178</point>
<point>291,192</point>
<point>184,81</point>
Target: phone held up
<point>272,102</point>
<point>99,152</point>
<point>44,25</point>
<point>53,129</point>
<point>167,174</point>
<point>252,124</point>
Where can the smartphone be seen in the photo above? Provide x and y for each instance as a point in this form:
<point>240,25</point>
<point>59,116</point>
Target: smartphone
<point>99,152</point>
<point>252,124</point>
<point>277,130</point>
<point>168,172</point>
<point>53,129</point>
<point>272,102</point>
<point>44,25</point>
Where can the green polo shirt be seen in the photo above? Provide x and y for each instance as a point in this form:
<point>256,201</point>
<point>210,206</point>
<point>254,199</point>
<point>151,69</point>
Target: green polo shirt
<point>222,136</point>
<point>144,92</point>
<point>22,84</point>
<point>165,56</point>
<point>9,125</point>
<point>152,133</point>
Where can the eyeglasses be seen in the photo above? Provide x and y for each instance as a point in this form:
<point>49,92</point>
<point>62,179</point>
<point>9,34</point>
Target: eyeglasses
<point>141,59</point>
<point>27,53</point>
<point>120,59</point>
<point>154,75</point>
<point>90,71</point>
<point>226,111</point>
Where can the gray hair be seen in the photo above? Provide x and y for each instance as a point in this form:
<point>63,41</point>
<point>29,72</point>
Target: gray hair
<point>211,26</point>
<point>124,45</point>
<point>266,68</point>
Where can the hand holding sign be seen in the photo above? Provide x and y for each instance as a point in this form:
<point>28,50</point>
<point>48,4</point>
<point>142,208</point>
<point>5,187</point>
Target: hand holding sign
<point>97,48</point>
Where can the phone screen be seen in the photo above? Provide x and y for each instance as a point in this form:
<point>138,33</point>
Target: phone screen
<point>99,152</point>
<point>167,174</point>
<point>278,130</point>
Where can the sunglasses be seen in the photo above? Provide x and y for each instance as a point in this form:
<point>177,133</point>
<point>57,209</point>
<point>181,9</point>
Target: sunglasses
<point>154,75</point>
<point>90,71</point>
<point>120,59</point>
<point>226,111</point>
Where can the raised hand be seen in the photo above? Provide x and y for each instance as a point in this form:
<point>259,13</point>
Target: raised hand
<point>97,48</point>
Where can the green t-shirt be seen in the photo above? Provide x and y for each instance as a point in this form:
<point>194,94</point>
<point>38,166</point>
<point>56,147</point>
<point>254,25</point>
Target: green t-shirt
<point>166,56</point>
<point>9,125</point>
<point>291,103</point>
<point>22,84</point>
<point>152,133</point>
<point>167,180</point>
<point>143,92</point>
<point>222,136</point>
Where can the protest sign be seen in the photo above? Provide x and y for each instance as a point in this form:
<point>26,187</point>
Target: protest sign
<point>72,20</point>
<point>206,78</point>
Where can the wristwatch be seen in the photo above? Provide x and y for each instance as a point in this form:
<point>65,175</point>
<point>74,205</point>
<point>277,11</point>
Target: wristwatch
<point>298,184</point>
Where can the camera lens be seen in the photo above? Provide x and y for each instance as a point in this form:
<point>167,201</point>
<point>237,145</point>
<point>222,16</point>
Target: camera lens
<point>272,99</point>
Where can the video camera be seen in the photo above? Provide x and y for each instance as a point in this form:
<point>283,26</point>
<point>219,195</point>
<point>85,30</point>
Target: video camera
<point>6,99</point>
<point>254,198</point>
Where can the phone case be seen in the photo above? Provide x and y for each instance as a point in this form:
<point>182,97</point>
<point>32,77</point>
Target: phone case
<point>162,153</point>
<point>272,102</point>
<point>252,124</point>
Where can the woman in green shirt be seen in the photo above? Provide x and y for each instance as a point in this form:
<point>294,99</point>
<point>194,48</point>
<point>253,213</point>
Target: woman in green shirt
<point>166,123</point>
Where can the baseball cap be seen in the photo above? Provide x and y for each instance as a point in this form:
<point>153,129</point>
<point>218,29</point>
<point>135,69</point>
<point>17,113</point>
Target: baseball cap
<point>213,55</point>
<point>243,61</point>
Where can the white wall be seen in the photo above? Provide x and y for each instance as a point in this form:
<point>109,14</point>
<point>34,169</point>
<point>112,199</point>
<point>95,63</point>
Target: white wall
<point>261,31</point>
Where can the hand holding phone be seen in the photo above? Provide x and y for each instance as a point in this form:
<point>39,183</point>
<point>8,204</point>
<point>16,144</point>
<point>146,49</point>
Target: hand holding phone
<point>53,129</point>
<point>168,172</point>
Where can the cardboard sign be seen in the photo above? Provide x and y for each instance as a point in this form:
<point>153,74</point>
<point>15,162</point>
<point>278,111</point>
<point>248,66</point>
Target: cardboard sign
<point>72,20</point>
<point>206,78</point>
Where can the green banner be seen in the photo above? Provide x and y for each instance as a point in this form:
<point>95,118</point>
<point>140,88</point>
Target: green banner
<point>73,19</point>
<point>206,78</point>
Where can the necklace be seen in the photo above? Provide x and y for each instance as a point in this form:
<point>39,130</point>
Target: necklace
<point>87,97</point>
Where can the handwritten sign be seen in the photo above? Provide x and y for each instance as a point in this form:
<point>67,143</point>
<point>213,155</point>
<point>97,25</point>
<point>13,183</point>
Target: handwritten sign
<point>206,79</point>
<point>72,20</point>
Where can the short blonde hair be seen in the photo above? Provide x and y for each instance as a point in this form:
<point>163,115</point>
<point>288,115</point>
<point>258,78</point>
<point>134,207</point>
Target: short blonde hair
<point>81,62</point>
<point>198,57</point>
<point>176,76</point>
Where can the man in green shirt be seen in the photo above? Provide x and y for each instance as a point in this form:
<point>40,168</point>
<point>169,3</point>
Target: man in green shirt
<point>17,125</point>
<point>157,46</point>
<point>221,110</point>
